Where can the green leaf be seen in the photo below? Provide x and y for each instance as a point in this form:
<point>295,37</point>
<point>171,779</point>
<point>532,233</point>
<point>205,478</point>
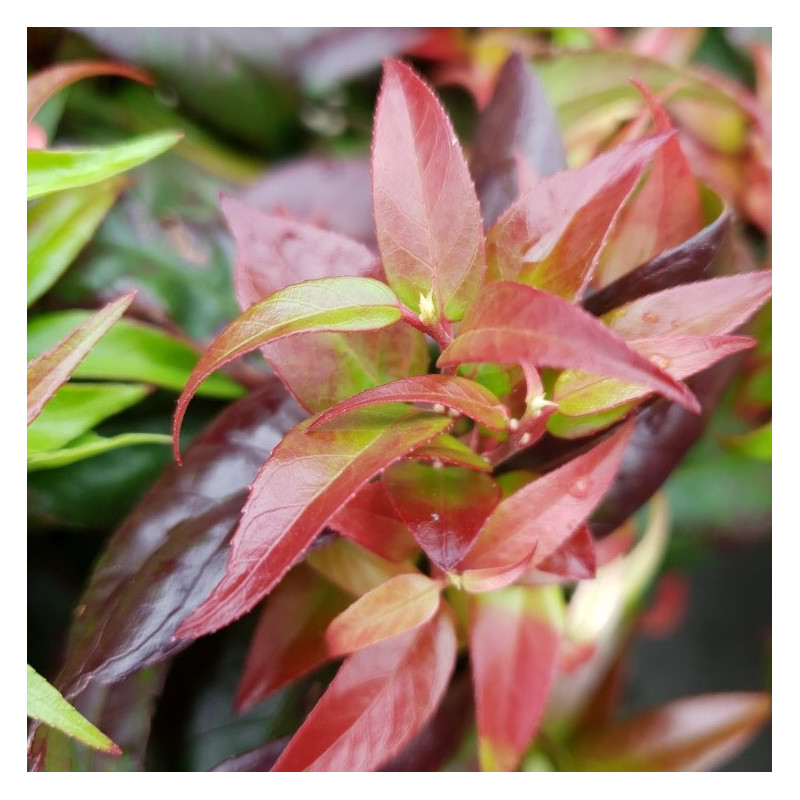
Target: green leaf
<point>56,170</point>
<point>130,351</point>
<point>47,704</point>
<point>59,226</point>
<point>88,445</point>
<point>756,443</point>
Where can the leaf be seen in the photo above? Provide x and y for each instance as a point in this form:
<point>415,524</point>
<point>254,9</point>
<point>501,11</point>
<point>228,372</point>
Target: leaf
<point>574,560</point>
<point>515,324</point>
<point>47,704</point>
<point>427,216</point>
<point>56,170</point>
<point>754,444</point>
<point>59,226</point>
<point>552,237</point>
<point>446,449</point>
<point>328,304</point>
<point>76,408</point>
<point>88,445</point>
<point>689,735</point>
<point>306,480</point>
<point>53,367</point>
<point>514,637</point>
<point>450,391</point>
<point>48,82</point>
<point>380,698</point>
<point>518,120</point>
<point>444,507</point>
<point>533,523</point>
<point>401,604</point>
<point>130,351</point>
<point>290,638</point>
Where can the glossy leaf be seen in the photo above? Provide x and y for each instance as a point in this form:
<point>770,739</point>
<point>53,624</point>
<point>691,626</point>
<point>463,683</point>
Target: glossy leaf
<point>574,560</point>
<point>52,368</point>
<point>47,704</point>
<point>89,445</point>
<point>306,480</point>
<point>380,698</point>
<point>446,449</point>
<point>427,217</point>
<point>552,237</point>
<point>444,507</point>
<point>130,351</point>
<point>450,391</point>
<point>515,324</point>
<point>518,120</point>
<point>290,638</point>
<point>56,170</point>
<point>59,226</point>
<point>48,82</point>
<point>534,522</point>
<point>693,734</point>
<point>391,609</point>
<point>514,637</point>
<point>328,304</point>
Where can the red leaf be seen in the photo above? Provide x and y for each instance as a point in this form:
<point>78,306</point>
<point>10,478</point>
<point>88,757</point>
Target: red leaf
<point>514,640</point>
<point>399,605</point>
<point>290,638</point>
<point>574,560</point>
<point>379,700</point>
<point>690,735</point>
<point>53,367</point>
<point>450,391</point>
<point>516,324</point>
<point>531,524</point>
<point>668,608</point>
<point>552,237</point>
<point>445,507</point>
<point>426,213</point>
<point>306,480</point>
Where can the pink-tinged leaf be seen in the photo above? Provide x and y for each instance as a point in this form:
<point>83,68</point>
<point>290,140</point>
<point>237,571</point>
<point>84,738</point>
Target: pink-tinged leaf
<point>306,480</point>
<point>449,391</point>
<point>574,560</point>
<point>516,324</point>
<point>52,368</point>
<point>446,449</point>
<point>444,507</point>
<point>514,637</point>
<point>706,308</point>
<point>370,520</point>
<point>380,698</point>
<point>391,609</point>
<point>579,393</point>
<point>689,735</point>
<point>518,120</point>
<point>329,304</point>
<point>664,212</point>
<point>534,522</point>
<point>427,217</point>
<point>43,85</point>
<point>290,638</point>
<point>668,607</point>
<point>552,237</point>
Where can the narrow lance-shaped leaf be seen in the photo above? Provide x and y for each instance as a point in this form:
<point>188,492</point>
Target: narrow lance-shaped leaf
<point>380,698</point>
<point>399,605</point>
<point>444,507</point>
<point>514,637</point>
<point>446,449</point>
<point>56,170</point>
<point>329,304</point>
<point>516,324</point>
<point>306,480</point>
<point>47,372</point>
<point>426,212</point>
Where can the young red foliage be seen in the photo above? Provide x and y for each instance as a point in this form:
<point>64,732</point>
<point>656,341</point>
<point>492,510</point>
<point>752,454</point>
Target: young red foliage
<point>574,560</point>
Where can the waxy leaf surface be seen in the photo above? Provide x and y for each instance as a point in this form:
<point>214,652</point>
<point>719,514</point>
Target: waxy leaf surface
<point>516,324</point>
<point>399,605</point>
<point>52,368</point>
<point>306,480</point>
<point>574,560</point>
<point>444,507</point>
<point>426,212</point>
<point>88,445</point>
<point>380,698</point>
<point>514,636</point>
<point>328,304</point>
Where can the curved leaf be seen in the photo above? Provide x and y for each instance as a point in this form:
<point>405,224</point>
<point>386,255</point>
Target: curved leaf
<point>446,449</point>
<point>574,560</point>
<point>88,445</point>
<point>306,480</point>
<point>380,698</point>
<point>427,217</point>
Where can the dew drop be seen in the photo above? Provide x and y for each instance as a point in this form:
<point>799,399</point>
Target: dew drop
<point>660,361</point>
<point>435,517</point>
<point>438,408</point>
<point>580,488</point>
<point>525,439</point>
<point>650,317</point>
<point>513,424</point>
